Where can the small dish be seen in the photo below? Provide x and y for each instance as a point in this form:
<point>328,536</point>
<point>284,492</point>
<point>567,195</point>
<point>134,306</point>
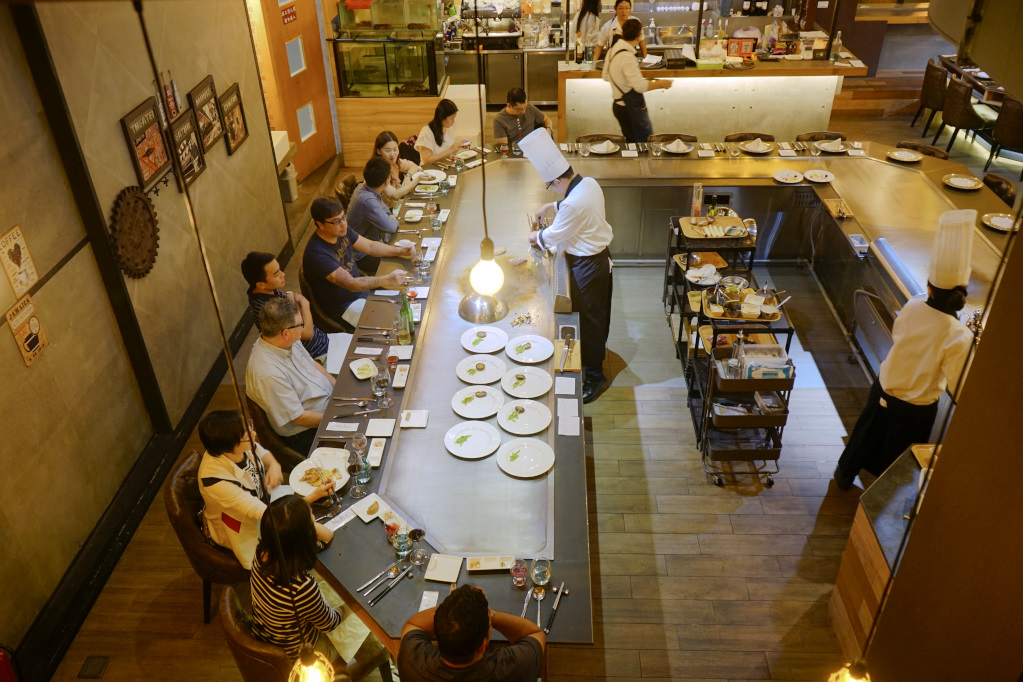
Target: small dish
<point>489,563</point>
<point>363,368</point>
<point>427,189</point>
<point>466,154</point>
<point>789,177</point>
<point>960,181</point>
<point>484,339</point>
<point>444,568</point>
<point>413,215</point>
<point>472,440</point>
<point>999,221</point>
<point>904,155</point>
<point>818,175</point>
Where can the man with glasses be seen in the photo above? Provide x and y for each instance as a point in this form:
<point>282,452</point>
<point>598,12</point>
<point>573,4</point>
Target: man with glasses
<point>518,119</point>
<point>283,379</point>
<point>329,263</point>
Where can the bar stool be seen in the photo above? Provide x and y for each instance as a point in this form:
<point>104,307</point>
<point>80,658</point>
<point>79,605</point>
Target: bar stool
<point>1008,130</point>
<point>925,149</point>
<point>601,137</point>
<point>961,113</point>
<point>744,137</point>
<point>666,138</point>
<point>1003,187</point>
<point>932,94</point>
<point>819,136</point>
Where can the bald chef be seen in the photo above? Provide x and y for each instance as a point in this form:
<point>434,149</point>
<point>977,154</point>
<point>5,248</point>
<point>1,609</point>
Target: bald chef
<point>580,229</point>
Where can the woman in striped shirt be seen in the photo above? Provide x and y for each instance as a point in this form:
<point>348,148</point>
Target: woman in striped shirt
<point>288,609</point>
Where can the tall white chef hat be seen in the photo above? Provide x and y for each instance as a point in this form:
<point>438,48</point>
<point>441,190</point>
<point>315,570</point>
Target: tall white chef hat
<point>541,151</point>
<point>953,248</point>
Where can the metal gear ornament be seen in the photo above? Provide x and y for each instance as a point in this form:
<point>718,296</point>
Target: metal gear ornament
<point>134,233</point>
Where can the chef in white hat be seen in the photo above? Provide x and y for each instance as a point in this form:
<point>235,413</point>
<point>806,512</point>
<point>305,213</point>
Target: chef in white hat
<point>581,230</point>
<point>928,354</point>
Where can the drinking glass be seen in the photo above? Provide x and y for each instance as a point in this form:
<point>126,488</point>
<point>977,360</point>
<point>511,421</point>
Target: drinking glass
<point>584,147</point>
<point>417,531</point>
<point>417,258</point>
<point>435,221</point>
<point>335,503</point>
<point>354,467</point>
<point>424,267</point>
<point>655,148</point>
<point>431,207</point>
<point>459,164</point>
<point>515,149</point>
<point>365,471</point>
<point>401,542</point>
<point>733,149</point>
<point>359,443</point>
<point>382,382</point>
<point>518,573</point>
<point>444,186</point>
<point>814,149</point>
<point>503,148</point>
<point>392,360</point>
<point>540,571</point>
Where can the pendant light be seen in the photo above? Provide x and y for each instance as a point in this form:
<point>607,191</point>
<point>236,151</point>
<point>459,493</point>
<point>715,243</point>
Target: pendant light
<point>312,666</point>
<point>854,671</point>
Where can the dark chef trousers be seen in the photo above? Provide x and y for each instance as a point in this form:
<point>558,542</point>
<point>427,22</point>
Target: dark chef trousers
<point>590,284</point>
<point>883,433</point>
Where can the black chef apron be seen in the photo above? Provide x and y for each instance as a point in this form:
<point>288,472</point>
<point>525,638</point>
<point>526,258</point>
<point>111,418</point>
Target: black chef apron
<point>590,285</point>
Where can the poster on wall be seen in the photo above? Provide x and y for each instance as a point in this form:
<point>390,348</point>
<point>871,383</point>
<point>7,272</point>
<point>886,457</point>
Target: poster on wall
<point>234,118</point>
<point>203,99</point>
<point>27,329</point>
<point>185,133</point>
<point>21,271</point>
<point>145,140</point>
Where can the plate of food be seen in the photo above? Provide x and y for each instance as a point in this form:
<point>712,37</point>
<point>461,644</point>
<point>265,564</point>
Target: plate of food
<point>904,155</point>
<point>363,368</point>
<point>477,402</point>
<point>960,181</point>
<point>429,175</point>
<point>605,147</point>
<point>756,146</point>
<point>427,189</point>
<point>489,563</point>
<point>525,457</point>
<point>323,463</point>
<point>484,339</point>
<point>481,369</point>
<point>527,382</point>
<point>472,440</point>
<point>832,146</point>
<point>818,175</point>
<point>999,221</point>
<point>789,177</point>
<point>529,349</point>
<point>524,417</point>
<point>466,154</point>
<point>413,215</point>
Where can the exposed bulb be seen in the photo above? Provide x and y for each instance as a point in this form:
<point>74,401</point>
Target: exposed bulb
<point>486,277</point>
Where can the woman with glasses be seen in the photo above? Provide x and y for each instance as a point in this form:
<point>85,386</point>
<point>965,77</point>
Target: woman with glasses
<point>235,480</point>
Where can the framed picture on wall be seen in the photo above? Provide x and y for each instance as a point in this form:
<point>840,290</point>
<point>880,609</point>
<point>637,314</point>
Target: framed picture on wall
<point>203,99</point>
<point>145,142</point>
<point>185,133</point>
<point>236,131</point>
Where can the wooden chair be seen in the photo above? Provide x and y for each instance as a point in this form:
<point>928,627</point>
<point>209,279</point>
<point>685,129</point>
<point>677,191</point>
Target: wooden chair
<point>288,456</point>
<point>961,113</point>
<point>745,137</point>
<point>932,94</point>
<point>666,138</point>
<point>213,564</point>
<point>320,317</point>
<point>344,186</point>
<point>601,137</point>
<point>925,149</point>
<point>1008,131</point>
<point>1003,187</point>
<point>261,662</point>
<point>819,135</point>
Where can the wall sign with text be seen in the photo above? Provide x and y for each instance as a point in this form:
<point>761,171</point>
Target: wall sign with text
<point>21,271</point>
<point>288,14</point>
<point>27,329</point>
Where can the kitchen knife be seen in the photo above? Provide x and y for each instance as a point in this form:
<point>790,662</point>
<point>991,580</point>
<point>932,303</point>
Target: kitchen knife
<point>550,621</point>
<point>567,334</point>
<point>378,575</point>
<point>390,586</point>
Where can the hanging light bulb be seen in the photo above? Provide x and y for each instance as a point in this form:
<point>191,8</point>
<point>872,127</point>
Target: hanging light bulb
<point>855,671</point>
<point>312,666</point>
<point>486,277</point>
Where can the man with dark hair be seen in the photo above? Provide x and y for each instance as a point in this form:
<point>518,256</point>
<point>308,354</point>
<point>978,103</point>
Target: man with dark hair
<point>628,84</point>
<point>461,626</point>
<point>283,379</point>
<point>329,262</point>
<point>368,213</point>
<point>518,119</point>
<point>265,277</point>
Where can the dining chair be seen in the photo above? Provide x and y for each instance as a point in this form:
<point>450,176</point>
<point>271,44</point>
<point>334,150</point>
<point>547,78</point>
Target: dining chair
<point>932,93</point>
<point>961,113</point>
<point>601,137</point>
<point>320,317</point>
<point>261,662</point>
<point>1008,131</point>
<point>212,563</point>
<point>819,136</point>
<point>666,138</point>
<point>287,456</point>
<point>744,137</point>
<point>925,149</point>
<point>1003,187</point>
<point>344,187</point>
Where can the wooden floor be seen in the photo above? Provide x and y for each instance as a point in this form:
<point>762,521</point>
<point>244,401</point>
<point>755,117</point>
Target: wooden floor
<point>691,581</point>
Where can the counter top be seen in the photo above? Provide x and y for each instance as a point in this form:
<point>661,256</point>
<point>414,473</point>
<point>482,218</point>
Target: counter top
<point>784,67</point>
<point>889,501</point>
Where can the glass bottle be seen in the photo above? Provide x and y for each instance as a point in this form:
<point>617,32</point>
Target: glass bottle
<point>836,47</point>
<point>407,328</point>
<point>697,204</point>
<point>713,210</point>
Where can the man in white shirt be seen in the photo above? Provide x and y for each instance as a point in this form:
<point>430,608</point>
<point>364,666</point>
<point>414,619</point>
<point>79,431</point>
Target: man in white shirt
<point>628,85</point>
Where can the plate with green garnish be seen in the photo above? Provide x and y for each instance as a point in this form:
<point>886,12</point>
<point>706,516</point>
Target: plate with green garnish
<point>525,457</point>
<point>472,440</point>
<point>477,402</point>
<point>484,339</point>
<point>529,349</point>
<point>524,417</point>
<point>526,382</point>
<point>481,369</point>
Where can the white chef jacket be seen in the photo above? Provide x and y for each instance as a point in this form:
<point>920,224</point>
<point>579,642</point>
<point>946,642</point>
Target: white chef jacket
<point>929,353</point>
<point>579,226</point>
<point>608,31</point>
<point>590,29</point>
<point>623,73</point>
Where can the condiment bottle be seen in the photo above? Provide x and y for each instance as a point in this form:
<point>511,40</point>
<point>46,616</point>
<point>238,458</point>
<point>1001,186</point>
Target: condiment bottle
<point>697,205</point>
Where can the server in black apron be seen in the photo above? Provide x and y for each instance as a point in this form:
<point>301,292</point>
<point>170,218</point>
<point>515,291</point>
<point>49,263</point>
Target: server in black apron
<point>581,230</point>
<point>628,84</point>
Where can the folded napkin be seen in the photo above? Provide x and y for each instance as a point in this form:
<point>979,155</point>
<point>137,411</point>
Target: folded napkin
<point>677,147</point>
<point>831,146</point>
<point>756,145</point>
<point>402,243</point>
<point>605,147</point>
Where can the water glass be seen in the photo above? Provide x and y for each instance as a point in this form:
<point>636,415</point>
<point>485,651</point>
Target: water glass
<point>365,471</point>
<point>459,164</point>
<point>814,149</point>
<point>655,148</point>
<point>417,258</point>
<point>584,147</point>
<point>540,571</point>
<point>515,149</point>
<point>435,221</point>
<point>402,543</point>
<point>733,149</point>
<point>444,186</point>
<point>424,267</point>
<point>518,573</point>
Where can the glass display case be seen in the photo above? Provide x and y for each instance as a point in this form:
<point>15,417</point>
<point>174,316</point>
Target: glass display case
<point>388,67</point>
<point>378,18</point>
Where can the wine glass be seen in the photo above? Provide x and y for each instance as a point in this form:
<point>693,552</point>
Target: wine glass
<point>392,359</point>
<point>431,207</point>
<point>815,149</point>
<point>733,149</point>
<point>417,258</point>
<point>382,382</point>
<point>417,531</point>
<point>412,293</point>
<point>359,443</point>
<point>354,468</point>
<point>518,573</point>
<point>540,571</point>
<point>335,503</point>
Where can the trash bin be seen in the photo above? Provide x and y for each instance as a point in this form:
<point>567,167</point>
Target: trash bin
<point>289,183</point>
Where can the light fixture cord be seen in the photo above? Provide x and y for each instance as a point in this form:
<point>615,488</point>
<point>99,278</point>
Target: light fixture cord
<point>482,109</point>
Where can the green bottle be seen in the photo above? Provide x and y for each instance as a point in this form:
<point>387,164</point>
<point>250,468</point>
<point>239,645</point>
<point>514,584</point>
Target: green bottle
<point>408,325</point>
<point>713,210</point>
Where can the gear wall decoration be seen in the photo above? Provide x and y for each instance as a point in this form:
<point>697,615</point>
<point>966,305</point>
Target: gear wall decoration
<point>134,233</point>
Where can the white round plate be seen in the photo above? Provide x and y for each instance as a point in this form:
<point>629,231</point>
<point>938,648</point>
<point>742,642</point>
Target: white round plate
<point>465,154</point>
<point>539,349</point>
<point>525,457</point>
<point>843,147</point>
<point>534,418</point>
<point>819,175</point>
<point>413,215</point>
<point>472,440</point>
<point>959,181</point>
<point>789,177</point>
<point>610,150</point>
<point>363,368</point>
<point>427,189</point>
<point>904,155</point>
<point>688,147</point>
<point>467,404</point>
<point>536,382</point>
<point>999,221</point>
<point>494,369</point>
<point>430,175</point>
<point>745,146</point>
<point>493,340</point>
<point>329,458</point>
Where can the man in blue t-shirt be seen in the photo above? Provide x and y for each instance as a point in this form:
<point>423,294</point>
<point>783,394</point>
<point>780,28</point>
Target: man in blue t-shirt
<point>329,263</point>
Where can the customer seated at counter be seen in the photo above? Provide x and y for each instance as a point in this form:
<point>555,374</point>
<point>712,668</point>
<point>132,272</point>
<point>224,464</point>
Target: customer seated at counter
<point>368,213</point>
<point>628,85</point>
<point>518,119</point>
<point>329,262</point>
<point>435,141</point>
<point>235,480</point>
<point>283,379</point>
<point>402,178</point>
<point>611,32</point>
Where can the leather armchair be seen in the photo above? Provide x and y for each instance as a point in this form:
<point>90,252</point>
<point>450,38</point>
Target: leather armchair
<point>288,456</point>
